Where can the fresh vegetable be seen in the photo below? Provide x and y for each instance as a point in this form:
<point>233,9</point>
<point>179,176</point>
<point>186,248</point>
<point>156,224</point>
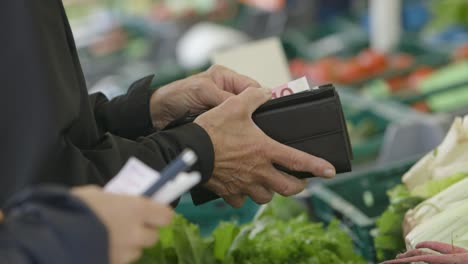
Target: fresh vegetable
<point>401,61</point>
<point>448,159</point>
<point>270,241</point>
<point>180,243</point>
<point>448,226</point>
<point>366,65</point>
<point>441,178</point>
<point>435,186</point>
<point>280,233</point>
<point>350,71</point>
<point>372,61</point>
<point>415,78</point>
<point>322,70</point>
<point>438,203</point>
<point>389,239</point>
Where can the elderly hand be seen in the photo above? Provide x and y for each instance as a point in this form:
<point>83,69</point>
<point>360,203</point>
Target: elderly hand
<point>244,155</point>
<point>195,94</point>
<point>131,221</point>
<point>441,253</point>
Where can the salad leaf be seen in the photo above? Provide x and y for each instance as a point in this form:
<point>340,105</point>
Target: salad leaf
<point>280,233</point>
<point>281,208</point>
<point>223,235</point>
<point>295,241</point>
<point>389,239</point>
<point>180,243</point>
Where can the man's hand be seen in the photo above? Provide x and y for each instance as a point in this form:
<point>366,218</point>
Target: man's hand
<point>195,94</point>
<point>244,155</point>
<point>132,222</point>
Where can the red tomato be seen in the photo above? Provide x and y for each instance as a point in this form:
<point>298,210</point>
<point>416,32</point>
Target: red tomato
<point>401,61</point>
<point>396,83</point>
<point>415,78</point>
<point>372,61</point>
<point>297,67</point>
<point>321,71</point>
<point>349,72</point>
<point>461,52</point>
<point>421,107</point>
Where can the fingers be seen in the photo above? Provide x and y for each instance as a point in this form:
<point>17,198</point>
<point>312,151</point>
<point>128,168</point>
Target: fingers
<point>297,160</point>
<point>212,96</point>
<point>155,215</point>
<point>441,247</point>
<point>412,253</point>
<point>283,183</point>
<point>230,80</point>
<point>259,194</point>
<point>252,98</point>
<point>147,237</point>
<point>432,259</point>
<point>129,257</point>
<point>235,201</point>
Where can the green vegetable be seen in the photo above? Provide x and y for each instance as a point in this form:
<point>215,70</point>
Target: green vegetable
<point>271,241</point>
<point>439,203</point>
<point>280,233</point>
<point>389,239</point>
<point>180,243</point>
<point>434,187</point>
<point>281,208</point>
<point>449,226</point>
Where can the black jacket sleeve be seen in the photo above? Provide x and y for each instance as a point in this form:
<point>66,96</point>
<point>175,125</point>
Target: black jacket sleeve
<point>52,130</point>
<point>48,225</point>
<point>126,115</point>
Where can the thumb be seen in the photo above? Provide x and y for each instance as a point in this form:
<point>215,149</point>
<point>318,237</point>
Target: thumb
<point>255,97</point>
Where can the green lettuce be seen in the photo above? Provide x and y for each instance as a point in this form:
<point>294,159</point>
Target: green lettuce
<point>272,241</point>
<point>280,233</point>
<point>389,240</point>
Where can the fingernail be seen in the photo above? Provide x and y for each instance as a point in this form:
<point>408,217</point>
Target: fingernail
<point>329,173</point>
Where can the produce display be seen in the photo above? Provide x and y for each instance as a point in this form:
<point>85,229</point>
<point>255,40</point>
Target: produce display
<point>426,89</point>
<point>431,204</point>
<point>280,233</point>
<point>366,65</point>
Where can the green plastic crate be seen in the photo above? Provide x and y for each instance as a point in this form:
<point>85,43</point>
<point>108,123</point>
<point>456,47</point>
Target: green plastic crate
<point>208,215</point>
<point>367,148</point>
<point>357,199</point>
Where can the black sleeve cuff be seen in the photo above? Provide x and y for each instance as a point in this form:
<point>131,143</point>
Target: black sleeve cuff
<point>128,115</point>
<point>66,227</point>
<point>194,137</point>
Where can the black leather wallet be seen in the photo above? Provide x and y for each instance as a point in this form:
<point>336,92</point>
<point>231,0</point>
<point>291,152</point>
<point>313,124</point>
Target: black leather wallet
<point>311,121</point>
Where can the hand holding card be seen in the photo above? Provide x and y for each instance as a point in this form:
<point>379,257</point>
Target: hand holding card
<point>136,178</point>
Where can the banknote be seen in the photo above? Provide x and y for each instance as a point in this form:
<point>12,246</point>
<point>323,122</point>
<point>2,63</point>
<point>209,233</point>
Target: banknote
<point>292,87</point>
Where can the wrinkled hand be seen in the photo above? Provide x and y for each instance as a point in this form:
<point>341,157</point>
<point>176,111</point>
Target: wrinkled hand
<point>195,94</point>
<point>444,254</point>
<point>132,222</point>
<point>244,155</point>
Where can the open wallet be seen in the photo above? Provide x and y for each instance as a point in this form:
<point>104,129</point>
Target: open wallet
<point>311,121</point>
